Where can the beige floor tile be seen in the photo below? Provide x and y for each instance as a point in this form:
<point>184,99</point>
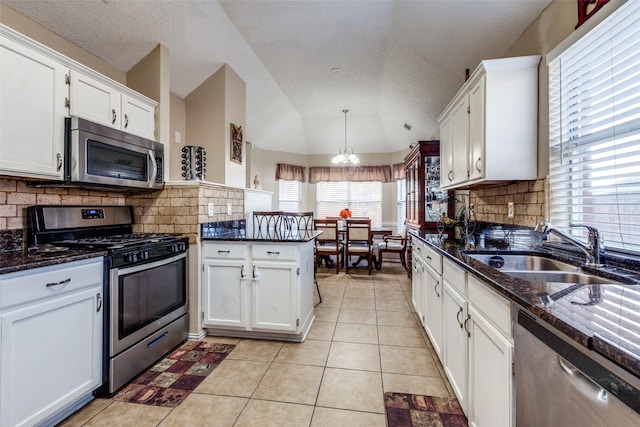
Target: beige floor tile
<point>352,315</point>
<point>359,303</point>
<point>345,355</point>
<point>321,331</point>
<point>327,314</point>
<point>401,336</point>
<point>393,305</point>
<point>353,390</point>
<point>203,410</point>
<point>129,415</point>
<point>407,360</point>
<point>391,293</point>
<point>330,300</point>
<point>88,411</point>
<point>388,286</point>
<point>309,352</point>
<point>323,417</point>
<point>290,383</point>
<point>234,378</point>
<point>261,413</point>
<point>259,350</point>
<point>429,386</point>
<point>356,333</point>
<point>396,318</point>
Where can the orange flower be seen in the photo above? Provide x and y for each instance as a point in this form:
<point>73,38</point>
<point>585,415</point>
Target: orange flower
<point>345,213</point>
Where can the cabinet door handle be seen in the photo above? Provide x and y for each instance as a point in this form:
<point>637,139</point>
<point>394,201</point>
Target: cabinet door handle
<point>435,288</point>
<point>58,162</point>
<point>113,116</point>
<point>458,318</point>
<point>255,272</point>
<point>429,258</point>
<point>99,302</point>
<point>466,321</point>
<point>242,271</point>
<point>450,175</point>
<point>477,163</point>
<point>273,252</point>
<point>62,282</point>
<point>126,121</point>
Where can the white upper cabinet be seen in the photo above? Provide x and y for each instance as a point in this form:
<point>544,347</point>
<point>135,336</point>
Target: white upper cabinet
<point>489,131</point>
<point>100,100</point>
<point>32,103</point>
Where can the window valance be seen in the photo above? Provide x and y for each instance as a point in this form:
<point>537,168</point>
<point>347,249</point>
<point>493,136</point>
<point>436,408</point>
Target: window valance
<point>290,172</point>
<point>398,171</point>
<point>350,173</point>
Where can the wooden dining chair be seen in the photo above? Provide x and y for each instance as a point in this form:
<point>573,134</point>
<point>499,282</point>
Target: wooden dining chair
<point>358,241</point>
<point>328,243</point>
<point>393,244</point>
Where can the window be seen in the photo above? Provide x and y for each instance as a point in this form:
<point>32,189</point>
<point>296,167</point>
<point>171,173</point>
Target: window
<point>401,191</point>
<point>594,131</point>
<point>290,196</point>
<point>363,198</point>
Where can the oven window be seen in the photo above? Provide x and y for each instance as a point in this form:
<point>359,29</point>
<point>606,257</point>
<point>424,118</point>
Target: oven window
<point>147,295</point>
<point>115,162</point>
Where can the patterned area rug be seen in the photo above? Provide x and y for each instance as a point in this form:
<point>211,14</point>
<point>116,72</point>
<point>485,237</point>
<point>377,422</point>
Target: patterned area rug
<point>172,379</point>
<point>414,410</point>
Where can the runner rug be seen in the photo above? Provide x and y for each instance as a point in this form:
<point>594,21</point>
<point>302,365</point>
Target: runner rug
<point>414,410</point>
<point>172,379</point>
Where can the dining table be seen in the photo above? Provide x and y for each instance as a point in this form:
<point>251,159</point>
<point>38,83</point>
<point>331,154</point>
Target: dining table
<point>375,232</point>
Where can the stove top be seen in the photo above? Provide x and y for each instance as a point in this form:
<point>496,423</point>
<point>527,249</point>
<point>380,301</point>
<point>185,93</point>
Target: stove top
<point>118,240</point>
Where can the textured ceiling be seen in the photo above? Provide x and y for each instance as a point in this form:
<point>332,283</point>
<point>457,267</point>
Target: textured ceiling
<point>400,61</point>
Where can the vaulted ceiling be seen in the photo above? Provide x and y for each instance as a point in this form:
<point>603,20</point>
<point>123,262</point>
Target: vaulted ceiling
<point>389,62</point>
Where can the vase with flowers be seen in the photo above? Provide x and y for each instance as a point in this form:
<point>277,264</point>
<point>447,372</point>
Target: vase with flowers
<point>345,213</point>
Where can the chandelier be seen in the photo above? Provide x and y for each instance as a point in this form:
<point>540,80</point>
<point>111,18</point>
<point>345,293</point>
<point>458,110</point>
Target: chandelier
<point>346,156</point>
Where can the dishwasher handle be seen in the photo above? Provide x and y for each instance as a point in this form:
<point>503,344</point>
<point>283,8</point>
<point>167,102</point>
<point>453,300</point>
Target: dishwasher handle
<point>600,393</point>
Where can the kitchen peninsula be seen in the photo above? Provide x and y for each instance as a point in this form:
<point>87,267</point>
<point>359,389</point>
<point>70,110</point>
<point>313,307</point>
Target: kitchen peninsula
<point>257,284</point>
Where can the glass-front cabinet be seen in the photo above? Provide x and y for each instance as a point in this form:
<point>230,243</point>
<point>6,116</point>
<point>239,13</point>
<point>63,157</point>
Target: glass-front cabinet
<point>425,201</point>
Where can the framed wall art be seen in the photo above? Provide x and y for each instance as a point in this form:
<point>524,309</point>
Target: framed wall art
<point>236,143</point>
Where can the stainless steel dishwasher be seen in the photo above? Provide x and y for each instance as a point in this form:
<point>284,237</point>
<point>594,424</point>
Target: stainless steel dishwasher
<point>558,383</point>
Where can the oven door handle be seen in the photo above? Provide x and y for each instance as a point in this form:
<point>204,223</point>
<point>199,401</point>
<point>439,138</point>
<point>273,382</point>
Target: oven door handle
<point>135,268</point>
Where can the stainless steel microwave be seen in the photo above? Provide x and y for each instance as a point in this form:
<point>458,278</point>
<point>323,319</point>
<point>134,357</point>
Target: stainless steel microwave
<point>103,157</point>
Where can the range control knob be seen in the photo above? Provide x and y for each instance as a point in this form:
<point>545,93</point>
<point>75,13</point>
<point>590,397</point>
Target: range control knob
<point>130,257</point>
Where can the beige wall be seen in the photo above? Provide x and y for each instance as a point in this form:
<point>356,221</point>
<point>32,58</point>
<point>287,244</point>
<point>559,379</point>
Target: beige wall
<point>48,38</point>
<point>177,124</point>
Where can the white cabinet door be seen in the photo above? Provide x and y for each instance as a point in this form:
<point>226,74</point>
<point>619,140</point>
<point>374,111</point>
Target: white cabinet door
<point>225,293</point>
<point>456,343</point>
<point>33,108</point>
<point>433,308</point>
<point>417,288</point>
<point>446,152</point>
<point>51,348</point>
<point>94,100</point>
<point>490,374</point>
<point>138,117</point>
<point>476,131</point>
<point>275,300</point>
<point>460,138</point>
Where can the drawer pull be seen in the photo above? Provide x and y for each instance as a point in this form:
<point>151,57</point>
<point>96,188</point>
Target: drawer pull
<point>429,258</point>
<point>220,251</point>
<point>99,302</point>
<point>273,252</point>
<point>62,282</point>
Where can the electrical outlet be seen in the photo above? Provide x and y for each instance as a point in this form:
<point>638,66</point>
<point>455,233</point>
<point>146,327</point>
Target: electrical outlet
<point>510,210</point>
<point>178,137</point>
<point>210,208</point>
<point>229,209</point>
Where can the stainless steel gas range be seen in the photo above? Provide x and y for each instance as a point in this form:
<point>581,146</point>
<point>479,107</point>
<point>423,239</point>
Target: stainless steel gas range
<point>145,282</point>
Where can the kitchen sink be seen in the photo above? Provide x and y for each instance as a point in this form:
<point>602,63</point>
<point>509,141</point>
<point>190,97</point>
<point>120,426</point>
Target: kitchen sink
<point>526,262</point>
<point>558,277</point>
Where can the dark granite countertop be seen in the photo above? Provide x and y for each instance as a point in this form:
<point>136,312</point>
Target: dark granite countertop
<point>603,318</point>
<point>236,231</point>
<point>12,261</point>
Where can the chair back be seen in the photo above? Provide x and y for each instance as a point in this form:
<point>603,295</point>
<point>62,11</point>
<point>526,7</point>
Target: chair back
<point>359,231</point>
<point>297,220</point>
<point>265,221</point>
<point>329,228</point>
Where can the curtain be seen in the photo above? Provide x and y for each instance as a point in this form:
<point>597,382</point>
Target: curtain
<point>290,172</point>
<point>398,172</point>
<point>350,173</point>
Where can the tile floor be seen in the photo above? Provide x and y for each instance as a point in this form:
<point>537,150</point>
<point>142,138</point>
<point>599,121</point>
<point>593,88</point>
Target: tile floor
<point>365,341</point>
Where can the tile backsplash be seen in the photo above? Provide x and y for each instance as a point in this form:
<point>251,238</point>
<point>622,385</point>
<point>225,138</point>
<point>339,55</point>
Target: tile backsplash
<point>528,197</point>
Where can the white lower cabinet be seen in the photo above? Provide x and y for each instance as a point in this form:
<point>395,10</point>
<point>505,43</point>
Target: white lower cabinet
<point>455,360</point>
<point>417,284</point>
<point>258,287</point>
<point>51,323</point>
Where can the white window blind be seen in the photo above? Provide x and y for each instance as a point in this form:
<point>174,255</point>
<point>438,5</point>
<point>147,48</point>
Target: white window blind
<point>290,196</point>
<point>363,198</point>
<point>401,191</point>
<point>594,131</point>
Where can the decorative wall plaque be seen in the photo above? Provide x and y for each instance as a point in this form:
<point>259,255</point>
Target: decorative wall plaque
<point>236,143</point>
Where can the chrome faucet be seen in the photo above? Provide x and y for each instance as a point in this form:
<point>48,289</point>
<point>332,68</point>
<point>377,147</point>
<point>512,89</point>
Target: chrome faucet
<point>593,250</point>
